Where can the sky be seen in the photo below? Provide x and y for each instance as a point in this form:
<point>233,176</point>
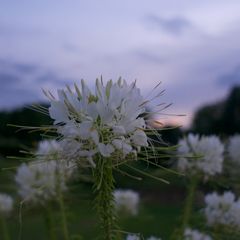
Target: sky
<point>192,47</point>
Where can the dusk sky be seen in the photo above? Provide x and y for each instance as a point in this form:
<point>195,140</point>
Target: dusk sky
<point>193,47</point>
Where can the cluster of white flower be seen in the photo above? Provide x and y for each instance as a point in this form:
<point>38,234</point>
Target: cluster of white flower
<point>222,209</point>
<point>137,237</point>
<point>200,155</point>
<point>190,234</point>
<point>39,181</point>
<point>126,201</point>
<point>234,148</point>
<point>107,122</point>
<point>6,203</point>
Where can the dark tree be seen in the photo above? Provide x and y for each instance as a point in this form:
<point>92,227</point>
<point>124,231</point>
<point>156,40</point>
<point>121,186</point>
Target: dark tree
<point>221,118</point>
<point>12,140</point>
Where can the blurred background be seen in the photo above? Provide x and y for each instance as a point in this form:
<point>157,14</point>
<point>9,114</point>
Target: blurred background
<point>192,47</point>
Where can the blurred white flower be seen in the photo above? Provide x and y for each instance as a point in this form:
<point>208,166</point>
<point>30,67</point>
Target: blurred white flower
<point>6,203</point>
<point>222,209</point>
<point>133,237</point>
<point>191,234</point>
<point>47,147</point>
<point>104,122</point>
<point>39,181</point>
<point>153,238</point>
<point>234,148</point>
<point>200,155</point>
<point>126,201</point>
<point>136,237</point>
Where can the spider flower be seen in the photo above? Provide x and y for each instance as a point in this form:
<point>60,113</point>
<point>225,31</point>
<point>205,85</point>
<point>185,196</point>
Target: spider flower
<point>40,181</point>
<point>202,155</point>
<point>6,204</point>
<point>190,234</point>
<point>126,201</point>
<point>107,122</point>
<point>234,148</point>
<point>222,209</point>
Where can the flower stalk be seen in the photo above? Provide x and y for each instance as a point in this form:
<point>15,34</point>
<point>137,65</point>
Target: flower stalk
<point>104,200</point>
<point>50,223</point>
<point>62,207</point>
<point>5,233</point>
<point>189,202</point>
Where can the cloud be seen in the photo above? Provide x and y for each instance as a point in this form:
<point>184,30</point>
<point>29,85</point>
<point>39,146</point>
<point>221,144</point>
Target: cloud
<point>17,97</point>
<point>149,57</point>
<point>52,77</point>
<point>72,48</point>
<point>17,67</point>
<point>20,83</point>
<point>175,25</point>
<point>230,78</point>
<point>12,30</point>
<point>25,68</point>
<point>8,80</point>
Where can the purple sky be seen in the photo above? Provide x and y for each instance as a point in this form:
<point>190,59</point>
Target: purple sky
<point>193,47</point>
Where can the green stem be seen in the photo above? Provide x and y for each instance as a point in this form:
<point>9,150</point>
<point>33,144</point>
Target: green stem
<point>62,207</point>
<point>50,223</point>
<point>189,202</point>
<point>5,233</point>
<point>104,200</point>
<point>63,216</point>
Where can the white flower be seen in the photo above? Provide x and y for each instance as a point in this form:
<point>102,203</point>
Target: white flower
<point>126,201</point>
<point>39,181</point>
<point>222,209</point>
<point>133,237</point>
<point>6,203</point>
<point>121,144</point>
<point>58,111</point>
<point>234,148</point>
<point>104,122</point>
<point>119,130</point>
<point>139,138</point>
<point>153,238</point>
<point>190,234</point>
<point>200,155</point>
<point>136,237</point>
<point>105,149</point>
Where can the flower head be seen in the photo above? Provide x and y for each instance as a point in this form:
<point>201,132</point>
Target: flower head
<point>190,234</point>
<point>200,155</point>
<point>39,181</point>
<point>222,209</point>
<point>126,201</point>
<point>6,203</point>
<point>105,122</point>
